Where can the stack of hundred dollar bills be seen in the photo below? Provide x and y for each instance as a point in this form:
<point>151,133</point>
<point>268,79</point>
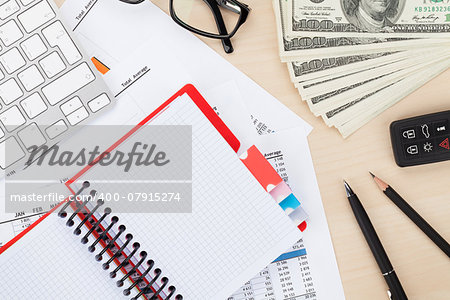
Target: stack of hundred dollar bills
<point>352,59</point>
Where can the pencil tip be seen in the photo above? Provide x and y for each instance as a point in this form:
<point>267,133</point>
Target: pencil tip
<point>381,184</point>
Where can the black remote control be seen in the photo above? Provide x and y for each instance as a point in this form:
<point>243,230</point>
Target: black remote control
<point>421,140</point>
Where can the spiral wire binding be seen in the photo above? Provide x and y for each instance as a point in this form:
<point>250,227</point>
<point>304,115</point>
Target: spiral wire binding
<point>70,221</point>
<point>128,238</point>
<point>150,264</point>
<point>103,235</point>
<point>143,255</point>
<point>106,212</point>
<point>124,263</point>
<point>149,285</point>
<point>81,208</point>
<point>77,230</point>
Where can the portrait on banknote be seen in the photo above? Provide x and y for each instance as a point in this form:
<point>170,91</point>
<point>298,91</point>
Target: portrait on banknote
<point>372,15</point>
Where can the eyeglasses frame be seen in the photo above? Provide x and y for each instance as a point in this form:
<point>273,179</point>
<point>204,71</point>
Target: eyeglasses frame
<point>214,5</point>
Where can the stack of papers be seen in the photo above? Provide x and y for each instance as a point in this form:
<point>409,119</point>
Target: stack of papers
<point>149,58</point>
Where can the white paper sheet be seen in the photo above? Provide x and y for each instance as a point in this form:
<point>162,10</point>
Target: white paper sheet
<point>210,252</point>
<point>147,68</point>
<point>291,147</point>
<point>50,260</point>
<point>117,29</point>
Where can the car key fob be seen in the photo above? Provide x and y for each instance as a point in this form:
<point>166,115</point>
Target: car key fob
<point>421,140</point>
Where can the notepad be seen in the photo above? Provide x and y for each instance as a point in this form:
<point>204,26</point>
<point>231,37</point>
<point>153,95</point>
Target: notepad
<point>235,228</point>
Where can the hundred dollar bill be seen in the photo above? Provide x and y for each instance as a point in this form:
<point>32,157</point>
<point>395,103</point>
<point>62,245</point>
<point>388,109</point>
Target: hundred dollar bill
<point>347,112</point>
<point>321,104</point>
<point>306,70</point>
<point>314,47</point>
<point>369,102</point>
<point>349,76</point>
<point>313,88</point>
<point>394,94</point>
<point>323,64</point>
<point>371,18</point>
<point>316,69</point>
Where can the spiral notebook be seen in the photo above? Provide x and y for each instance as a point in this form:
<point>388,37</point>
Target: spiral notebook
<point>207,254</point>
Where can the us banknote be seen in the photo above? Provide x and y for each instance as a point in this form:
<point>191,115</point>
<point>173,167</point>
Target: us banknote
<point>311,69</point>
<point>333,82</point>
<point>339,98</point>
<point>370,18</point>
<point>365,107</point>
<point>315,47</point>
<point>395,93</point>
<point>313,88</point>
<point>348,77</point>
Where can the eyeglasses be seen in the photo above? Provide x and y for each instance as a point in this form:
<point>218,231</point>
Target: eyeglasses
<point>209,18</point>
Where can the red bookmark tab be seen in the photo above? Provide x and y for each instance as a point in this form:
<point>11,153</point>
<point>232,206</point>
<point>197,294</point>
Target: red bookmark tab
<point>302,226</point>
<point>261,169</point>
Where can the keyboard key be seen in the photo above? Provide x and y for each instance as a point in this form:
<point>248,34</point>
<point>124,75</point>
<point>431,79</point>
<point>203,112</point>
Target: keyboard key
<point>10,152</point>
<point>71,106</point>
<point>32,137</point>
<point>26,2</point>
<point>56,129</point>
<point>77,116</point>
<point>68,84</point>
<point>52,64</point>
<point>33,47</point>
<point>31,78</point>
<point>10,91</point>
<point>8,8</point>
<point>12,118</point>
<point>36,16</point>
<point>98,103</point>
<point>33,105</point>
<point>57,36</point>
<point>10,33</point>
<point>12,60</point>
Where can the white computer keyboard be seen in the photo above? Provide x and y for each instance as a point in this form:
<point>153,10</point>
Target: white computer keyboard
<point>47,85</point>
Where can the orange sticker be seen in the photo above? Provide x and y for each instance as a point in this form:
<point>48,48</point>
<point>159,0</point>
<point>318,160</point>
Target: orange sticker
<point>100,66</point>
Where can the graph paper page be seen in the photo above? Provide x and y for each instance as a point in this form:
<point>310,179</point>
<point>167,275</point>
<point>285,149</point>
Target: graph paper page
<point>49,262</point>
<point>235,228</point>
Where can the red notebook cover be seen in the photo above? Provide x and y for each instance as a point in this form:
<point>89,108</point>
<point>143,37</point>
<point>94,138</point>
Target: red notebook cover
<point>264,173</point>
<point>201,103</point>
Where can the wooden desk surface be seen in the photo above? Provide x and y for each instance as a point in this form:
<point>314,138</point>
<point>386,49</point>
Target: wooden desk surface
<point>423,269</point>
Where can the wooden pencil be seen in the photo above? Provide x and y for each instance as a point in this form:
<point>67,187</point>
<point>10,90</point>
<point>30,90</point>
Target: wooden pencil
<point>413,215</point>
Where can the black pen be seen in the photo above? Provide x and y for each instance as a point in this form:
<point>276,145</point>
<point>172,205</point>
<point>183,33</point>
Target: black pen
<point>396,291</point>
